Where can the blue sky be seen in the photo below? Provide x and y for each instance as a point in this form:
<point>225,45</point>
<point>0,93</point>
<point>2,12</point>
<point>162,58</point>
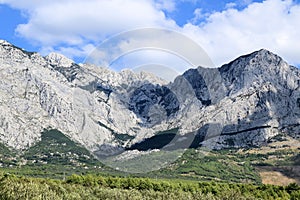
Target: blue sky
<point>9,20</point>
<point>185,9</point>
<point>224,29</point>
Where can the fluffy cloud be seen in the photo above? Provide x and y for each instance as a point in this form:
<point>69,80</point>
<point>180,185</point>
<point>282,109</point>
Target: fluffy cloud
<point>272,24</point>
<point>76,22</point>
<point>74,27</point>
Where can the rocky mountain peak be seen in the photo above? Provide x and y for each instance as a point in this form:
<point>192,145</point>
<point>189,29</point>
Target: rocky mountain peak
<point>256,68</point>
<point>264,53</point>
<point>9,53</point>
<point>250,99</point>
<point>259,60</point>
<point>267,59</point>
<point>57,59</point>
<point>4,42</point>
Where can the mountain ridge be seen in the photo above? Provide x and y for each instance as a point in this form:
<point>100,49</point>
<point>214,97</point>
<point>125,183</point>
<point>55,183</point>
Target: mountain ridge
<point>256,96</point>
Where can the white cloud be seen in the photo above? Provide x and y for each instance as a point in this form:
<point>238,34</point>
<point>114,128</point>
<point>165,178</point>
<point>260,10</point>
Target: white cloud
<point>198,16</point>
<point>142,44</point>
<point>73,27</point>
<point>75,22</point>
<point>168,5</point>
<point>230,5</point>
<point>272,24</point>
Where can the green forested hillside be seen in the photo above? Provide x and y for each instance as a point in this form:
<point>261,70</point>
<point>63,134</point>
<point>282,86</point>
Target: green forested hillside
<point>98,187</point>
<point>56,156</point>
<point>44,171</point>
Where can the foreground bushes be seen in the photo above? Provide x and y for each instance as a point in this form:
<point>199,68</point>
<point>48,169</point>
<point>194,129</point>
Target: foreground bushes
<point>96,187</point>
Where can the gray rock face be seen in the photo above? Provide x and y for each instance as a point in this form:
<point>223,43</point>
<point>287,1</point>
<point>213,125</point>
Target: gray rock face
<point>245,102</point>
<point>251,99</point>
<point>148,96</point>
<point>87,103</point>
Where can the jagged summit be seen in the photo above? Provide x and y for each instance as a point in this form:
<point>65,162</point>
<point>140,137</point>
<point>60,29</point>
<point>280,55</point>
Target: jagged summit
<point>59,60</point>
<point>262,57</point>
<point>250,100</point>
<point>266,57</point>
<point>4,42</point>
<point>256,68</point>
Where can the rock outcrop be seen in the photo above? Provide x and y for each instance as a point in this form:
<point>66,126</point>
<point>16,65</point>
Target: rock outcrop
<point>245,102</point>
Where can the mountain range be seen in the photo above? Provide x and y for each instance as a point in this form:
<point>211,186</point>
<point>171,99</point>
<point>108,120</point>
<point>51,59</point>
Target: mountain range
<point>243,103</point>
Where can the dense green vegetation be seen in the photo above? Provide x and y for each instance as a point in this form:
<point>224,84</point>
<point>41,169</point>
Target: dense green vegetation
<point>217,166</point>
<point>56,148</point>
<point>98,187</point>
<point>234,165</point>
<point>56,156</point>
<point>44,171</point>
<point>7,156</point>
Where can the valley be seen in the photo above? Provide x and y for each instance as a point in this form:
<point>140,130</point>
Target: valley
<point>56,156</point>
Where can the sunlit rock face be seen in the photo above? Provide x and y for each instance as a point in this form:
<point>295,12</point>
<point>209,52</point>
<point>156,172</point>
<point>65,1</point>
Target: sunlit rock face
<point>243,103</point>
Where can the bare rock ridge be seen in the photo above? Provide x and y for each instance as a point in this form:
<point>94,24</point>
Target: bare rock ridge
<point>245,102</point>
